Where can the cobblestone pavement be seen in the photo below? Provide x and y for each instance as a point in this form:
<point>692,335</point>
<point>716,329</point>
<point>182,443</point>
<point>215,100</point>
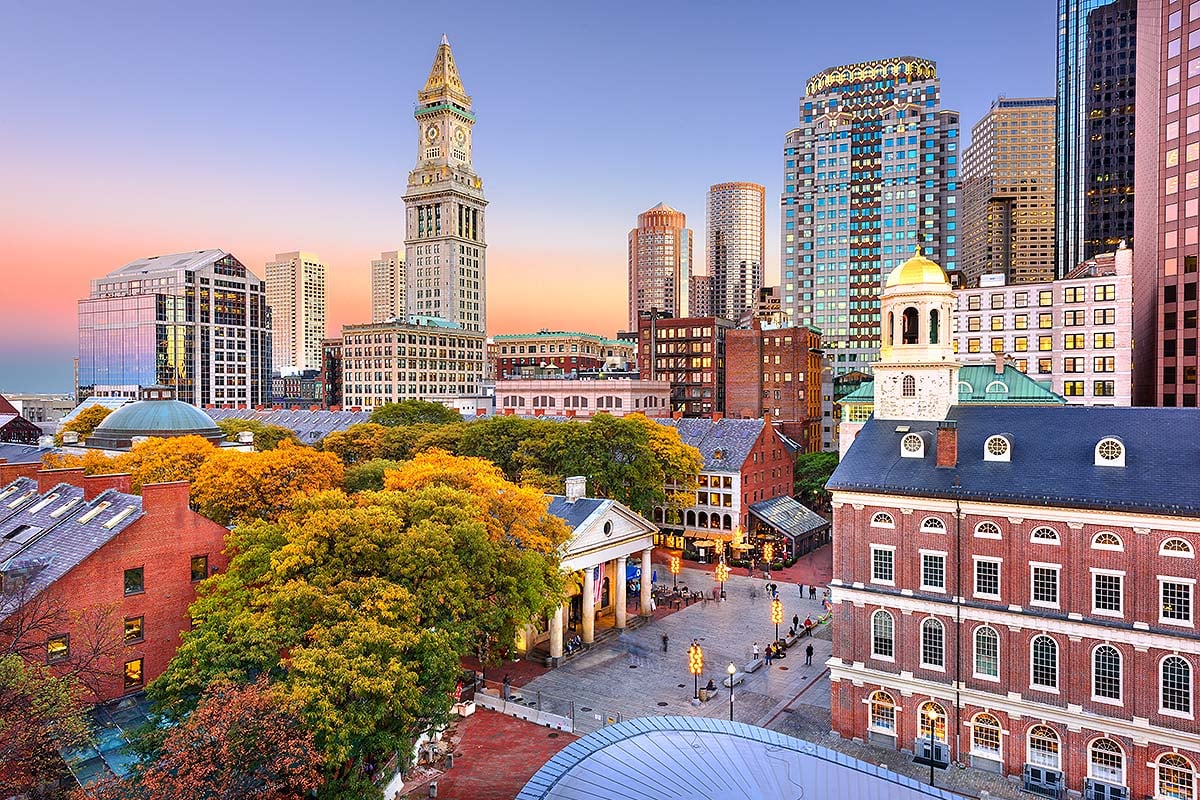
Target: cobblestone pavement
<point>631,676</point>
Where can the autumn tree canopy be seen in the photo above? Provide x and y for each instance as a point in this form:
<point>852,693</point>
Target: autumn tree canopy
<point>85,422</point>
<point>155,460</point>
<point>232,485</point>
<point>39,713</point>
<point>413,412</point>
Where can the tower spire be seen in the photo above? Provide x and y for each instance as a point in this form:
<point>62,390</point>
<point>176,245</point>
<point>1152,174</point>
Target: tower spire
<point>443,84</point>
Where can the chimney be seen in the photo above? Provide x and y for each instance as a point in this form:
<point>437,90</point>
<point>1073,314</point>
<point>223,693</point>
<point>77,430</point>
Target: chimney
<point>947,443</point>
<point>70,437</point>
<point>245,437</point>
<point>1000,363</point>
<point>716,416</point>
<point>49,478</point>
<point>576,488</point>
<point>95,484</point>
<point>166,498</point>
<point>676,415</point>
<point>10,472</point>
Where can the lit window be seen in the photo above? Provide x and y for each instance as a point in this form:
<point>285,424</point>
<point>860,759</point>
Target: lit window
<point>1176,779</point>
<point>1043,747</point>
<point>133,674</point>
<point>58,648</point>
<point>1176,547</point>
<point>883,712</point>
<point>199,568</point>
<point>135,630</point>
<point>1106,762</point>
<point>1107,540</point>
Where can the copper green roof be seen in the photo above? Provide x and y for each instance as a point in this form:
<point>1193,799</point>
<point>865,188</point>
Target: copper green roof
<point>979,384</point>
<point>865,393</point>
<point>592,337</point>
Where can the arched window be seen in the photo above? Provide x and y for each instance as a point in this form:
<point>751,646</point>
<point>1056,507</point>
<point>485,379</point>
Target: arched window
<point>912,331</point>
<point>1107,540</point>
<point>658,514</point>
<point>934,331</point>
<point>691,519</point>
<point>997,448</point>
<point>1176,547</point>
<point>727,522</point>
<point>1044,747</point>
<point>883,635</point>
<point>1043,662</point>
<point>1106,762</point>
<point>1176,778</point>
<point>703,520</point>
<point>985,735</point>
<point>1106,672</point>
<point>883,712</point>
<point>932,525</point>
<point>987,652</point>
<point>965,387</point>
<point>912,446</point>
<point>1176,685</point>
<point>987,530</point>
<point>1110,453</point>
<point>931,714</point>
<point>996,387</point>
<point>882,520</point>
<point>891,327</point>
<point>1044,535</point>
<point>909,386</point>
<point>933,643</point>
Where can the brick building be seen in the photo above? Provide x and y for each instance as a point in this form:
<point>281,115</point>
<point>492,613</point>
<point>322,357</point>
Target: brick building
<point>331,373</point>
<point>14,428</point>
<point>92,572</point>
<point>690,353</point>
<point>1014,586</point>
<point>570,351</point>
<point>583,397</point>
<point>776,371</point>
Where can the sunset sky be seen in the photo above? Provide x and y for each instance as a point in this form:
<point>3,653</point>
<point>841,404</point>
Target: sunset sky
<point>130,129</point>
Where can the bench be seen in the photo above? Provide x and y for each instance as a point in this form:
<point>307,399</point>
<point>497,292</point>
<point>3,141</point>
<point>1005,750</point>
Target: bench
<point>752,665</point>
<point>788,641</point>
<point>736,678</point>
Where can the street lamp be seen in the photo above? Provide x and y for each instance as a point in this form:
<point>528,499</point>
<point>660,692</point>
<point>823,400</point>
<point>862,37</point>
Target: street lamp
<point>722,574</point>
<point>931,717</point>
<point>695,666</point>
<point>777,615</point>
<point>768,551</point>
<point>731,669</point>
<point>674,567</point>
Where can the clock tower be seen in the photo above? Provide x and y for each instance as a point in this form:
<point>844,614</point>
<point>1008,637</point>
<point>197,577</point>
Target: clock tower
<point>444,243</point>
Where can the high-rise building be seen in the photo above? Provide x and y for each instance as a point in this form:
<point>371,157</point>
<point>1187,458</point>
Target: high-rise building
<point>445,247</point>
<point>660,263</point>
<point>1094,131</point>
<point>700,296</point>
<point>1007,220</point>
<point>736,242</point>
<point>198,322</point>
<point>296,297</point>
<point>870,172</point>
<point>387,286</point>
<point>1165,271</point>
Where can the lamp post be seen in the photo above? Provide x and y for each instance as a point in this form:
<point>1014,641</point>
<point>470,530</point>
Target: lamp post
<point>777,615</point>
<point>695,666</point>
<point>768,552</point>
<point>674,567</point>
<point>731,669</point>
<point>722,574</point>
<point>931,716</point>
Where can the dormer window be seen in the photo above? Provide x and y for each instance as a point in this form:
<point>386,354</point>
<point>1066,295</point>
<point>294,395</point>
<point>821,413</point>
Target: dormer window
<point>1110,453</point>
<point>996,387</point>
<point>997,448</point>
<point>965,387</point>
<point>912,446</point>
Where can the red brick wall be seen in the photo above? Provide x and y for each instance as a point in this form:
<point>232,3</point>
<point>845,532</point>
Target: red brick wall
<point>766,473</point>
<point>776,362</point>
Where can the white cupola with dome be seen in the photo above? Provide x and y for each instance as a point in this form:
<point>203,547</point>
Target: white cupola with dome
<point>916,376</point>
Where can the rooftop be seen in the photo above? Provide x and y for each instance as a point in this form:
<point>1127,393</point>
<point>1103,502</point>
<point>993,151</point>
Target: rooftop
<point>725,444</point>
<point>789,515</point>
<point>195,259</point>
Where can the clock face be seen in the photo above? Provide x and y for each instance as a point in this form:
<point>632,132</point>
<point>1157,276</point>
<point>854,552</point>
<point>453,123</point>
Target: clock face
<point>431,132</point>
<point>460,135</point>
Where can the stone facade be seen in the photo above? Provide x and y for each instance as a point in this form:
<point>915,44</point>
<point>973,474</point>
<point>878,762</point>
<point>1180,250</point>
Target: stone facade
<point>584,397</point>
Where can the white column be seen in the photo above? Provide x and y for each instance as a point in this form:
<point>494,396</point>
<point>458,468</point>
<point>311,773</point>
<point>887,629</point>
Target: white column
<point>556,633</point>
<point>647,573</point>
<point>621,592</point>
<point>589,605</point>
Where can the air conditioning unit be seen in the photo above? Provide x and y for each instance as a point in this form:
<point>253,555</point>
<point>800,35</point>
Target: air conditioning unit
<point>1045,782</point>
<point>938,754</point>
<point>1098,790</point>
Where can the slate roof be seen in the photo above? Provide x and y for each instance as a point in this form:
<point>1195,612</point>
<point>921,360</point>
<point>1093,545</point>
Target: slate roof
<point>14,453</point>
<point>310,426</point>
<point>1052,459</point>
<point>787,514</point>
<point>575,514</point>
<point>60,543</point>
<point>682,757</point>
<point>733,438</point>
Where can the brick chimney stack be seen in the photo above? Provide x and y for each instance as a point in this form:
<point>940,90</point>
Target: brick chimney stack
<point>947,443</point>
<point>93,485</point>
<point>1000,363</point>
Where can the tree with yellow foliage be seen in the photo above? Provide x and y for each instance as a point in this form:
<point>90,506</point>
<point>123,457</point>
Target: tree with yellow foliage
<point>232,485</point>
<point>152,461</point>
<point>85,422</point>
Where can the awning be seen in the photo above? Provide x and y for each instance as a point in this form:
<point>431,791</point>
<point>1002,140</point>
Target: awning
<point>701,533</point>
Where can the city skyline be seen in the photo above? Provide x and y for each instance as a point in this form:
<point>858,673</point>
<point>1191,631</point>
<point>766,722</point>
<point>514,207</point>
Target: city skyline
<point>205,167</point>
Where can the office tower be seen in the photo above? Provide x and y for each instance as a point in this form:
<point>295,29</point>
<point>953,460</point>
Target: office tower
<point>1165,272</point>
<point>198,322</point>
<point>700,296</point>
<point>870,173</point>
<point>387,286</point>
<point>1007,220</point>
<point>1094,162</point>
<point>445,248</point>
<point>296,297</point>
<point>736,241</point>
<point>660,263</point>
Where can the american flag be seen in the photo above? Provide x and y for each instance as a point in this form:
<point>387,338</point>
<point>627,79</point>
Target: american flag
<point>597,584</point>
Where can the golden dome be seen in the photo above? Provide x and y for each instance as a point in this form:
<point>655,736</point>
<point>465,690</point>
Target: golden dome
<point>917,269</point>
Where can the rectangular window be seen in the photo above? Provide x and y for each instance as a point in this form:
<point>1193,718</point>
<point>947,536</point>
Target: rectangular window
<point>1073,388</point>
<point>1104,316</point>
<point>1044,585</point>
<point>997,301</point>
<point>883,566</point>
<point>1104,388</point>
<point>133,674</point>
<point>1107,593</point>
<point>199,568</point>
<point>1021,321</point>
<point>1021,299</point>
<point>1075,341</point>
<point>974,323</point>
<point>1021,344</point>
<point>997,344</point>
<point>58,648</point>
<point>1045,320</point>
<point>972,345</point>
<point>1075,294</point>
<point>1106,292</point>
<point>135,580</point>
<point>987,578</point>
<point>933,572</point>
<point>974,302</point>
<point>135,630</point>
<point>1104,341</point>
<point>1075,317</point>
<point>1074,364</point>
<point>1176,602</point>
<point>1104,364</point>
<point>1045,365</point>
<point>1046,297</point>
<point>1045,343</point>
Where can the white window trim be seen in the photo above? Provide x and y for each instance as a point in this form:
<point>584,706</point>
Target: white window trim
<point>1124,762</point>
<point>974,576</point>
<point>1120,573</point>
<point>871,619</point>
<point>1119,548</point>
<point>921,645</point>
<point>983,676</point>
<point>988,455</point>
<point>1117,462</point>
<point>921,555</point>
<point>1119,701</point>
<point>1191,553</point>
<point>875,524</point>
<point>1029,748</point>
<point>890,548</point>
<point>940,530</point>
<point>979,535</point>
<point>896,709</point>
<point>1058,587</point>
<point>989,754</point>
<point>1056,541</point>
<point>1190,622</point>
<point>1058,665</point>
<point>1170,712</point>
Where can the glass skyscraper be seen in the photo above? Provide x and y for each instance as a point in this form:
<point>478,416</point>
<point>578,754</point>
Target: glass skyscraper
<point>1094,161</point>
<point>870,173</point>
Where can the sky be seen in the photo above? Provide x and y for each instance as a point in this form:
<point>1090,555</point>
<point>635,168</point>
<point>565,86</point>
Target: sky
<point>130,129</point>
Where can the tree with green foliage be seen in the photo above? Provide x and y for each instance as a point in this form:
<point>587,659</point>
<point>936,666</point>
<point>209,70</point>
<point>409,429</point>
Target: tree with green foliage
<point>368,440</point>
<point>441,437</point>
<point>368,476</point>
<point>39,713</point>
<point>266,437</point>
<point>414,412</point>
<point>512,443</point>
<point>811,473</point>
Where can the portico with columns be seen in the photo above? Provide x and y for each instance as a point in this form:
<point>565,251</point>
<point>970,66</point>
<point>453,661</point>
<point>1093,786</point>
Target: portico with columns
<point>607,538</point>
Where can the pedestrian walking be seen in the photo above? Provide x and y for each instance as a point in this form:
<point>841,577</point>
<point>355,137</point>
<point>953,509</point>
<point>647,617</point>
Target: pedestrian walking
<point>664,640</point>
<point>808,651</point>
<point>756,649</point>
<point>812,592</point>
<point>795,622</point>
<point>770,650</point>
